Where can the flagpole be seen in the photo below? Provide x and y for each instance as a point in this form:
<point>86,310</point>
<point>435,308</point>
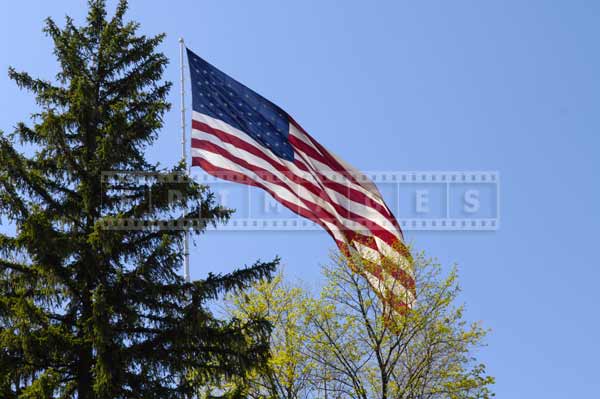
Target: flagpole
<point>186,239</point>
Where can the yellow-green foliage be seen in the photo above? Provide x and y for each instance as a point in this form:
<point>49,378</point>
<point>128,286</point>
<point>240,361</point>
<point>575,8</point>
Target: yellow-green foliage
<point>343,343</point>
<point>287,308</point>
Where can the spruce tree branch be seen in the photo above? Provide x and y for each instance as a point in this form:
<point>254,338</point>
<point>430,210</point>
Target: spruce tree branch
<point>17,267</point>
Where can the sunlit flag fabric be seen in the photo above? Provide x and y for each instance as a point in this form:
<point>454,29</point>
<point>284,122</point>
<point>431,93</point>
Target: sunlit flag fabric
<point>240,136</point>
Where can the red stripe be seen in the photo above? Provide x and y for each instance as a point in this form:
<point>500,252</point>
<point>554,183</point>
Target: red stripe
<point>396,272</point>
<point>349,192</point>
<point>355,195</point>
<point>346,191</point>
<point>375,229</point>
<point>317,210</point>
<point>329,160</point>
<point>237,177</point>
<point>236,142</point>
<point>310,152</point>
<point>326,157</point>
<point>376,270</point>
<point>268,176</point>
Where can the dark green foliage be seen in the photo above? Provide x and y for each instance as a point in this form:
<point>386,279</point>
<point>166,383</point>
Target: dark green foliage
<point>88,312</point>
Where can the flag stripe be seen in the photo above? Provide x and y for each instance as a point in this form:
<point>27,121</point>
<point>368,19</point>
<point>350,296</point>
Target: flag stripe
<point>258,165</point>
<point>233,142</point>
<point>345,219</point>
<point>373,271</point>
<point>368,194</point>
<point>352,195</point>
<point>234,174</point>
<point>332,162</point>
<point>241,140</point>
<point>323,164</point>
<point>204,144</point>
<point>280,192</point>
<point>338,165</point>
<point>223,166</point>
<point>360,194</point>
<point>207,124</point>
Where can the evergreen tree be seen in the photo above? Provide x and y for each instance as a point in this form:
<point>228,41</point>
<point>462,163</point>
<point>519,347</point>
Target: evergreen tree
<point>92,312</point>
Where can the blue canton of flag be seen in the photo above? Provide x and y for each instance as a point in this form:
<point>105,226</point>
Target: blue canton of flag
<point>222,97</point>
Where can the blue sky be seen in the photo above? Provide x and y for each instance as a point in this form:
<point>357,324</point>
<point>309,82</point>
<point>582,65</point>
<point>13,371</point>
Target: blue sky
<point>507,86</point>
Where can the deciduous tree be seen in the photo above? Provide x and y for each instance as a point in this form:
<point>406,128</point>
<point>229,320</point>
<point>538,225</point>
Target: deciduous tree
<point>345,343</point>
<point>368,352</point>
<point>289,373</point>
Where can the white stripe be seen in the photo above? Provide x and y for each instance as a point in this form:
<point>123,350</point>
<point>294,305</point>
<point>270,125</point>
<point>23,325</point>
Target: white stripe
<point>389,252</point>
<point>340,199</point>
<point>388,283</point>
<point>368,184</point>
<point>223,163</point>
<point>332,174</point>
<point>313,163</point>
<point>294,189</point>
<point>366,212</point>
<point>305,195</point>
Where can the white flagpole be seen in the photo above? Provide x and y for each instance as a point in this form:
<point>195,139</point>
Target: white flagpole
<point>186,242</point>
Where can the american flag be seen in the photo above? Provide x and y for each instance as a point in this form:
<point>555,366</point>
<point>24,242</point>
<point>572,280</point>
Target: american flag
<point>240,136</point>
